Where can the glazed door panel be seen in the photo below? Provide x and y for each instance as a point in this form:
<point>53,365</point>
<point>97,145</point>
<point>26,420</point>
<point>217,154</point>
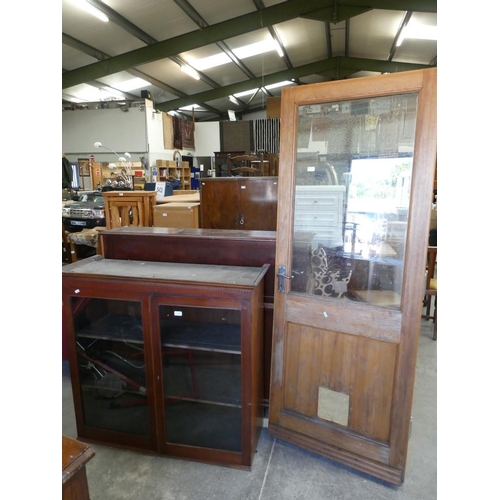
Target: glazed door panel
<point>345,344</point>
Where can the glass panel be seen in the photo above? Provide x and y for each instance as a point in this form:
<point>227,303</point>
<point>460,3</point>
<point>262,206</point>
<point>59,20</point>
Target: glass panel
<point>110,346</point>
<point>201,358</point>
<point>352,190</point>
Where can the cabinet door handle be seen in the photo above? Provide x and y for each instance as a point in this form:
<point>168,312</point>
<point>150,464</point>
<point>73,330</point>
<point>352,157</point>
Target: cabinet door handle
<point>242,219</point>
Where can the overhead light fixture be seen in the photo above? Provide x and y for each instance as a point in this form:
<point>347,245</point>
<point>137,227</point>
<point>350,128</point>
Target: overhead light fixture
<point>83,4</point>
<point>418,32</point>
<point>131,84</point>
<point>254,49</point>
<point>190,71</point>
<point>278,48</point>
<point>246,92</point>
<point>279,84</point>
<point>233,99</point>
<point>190,107</point>
<point>209,62</point>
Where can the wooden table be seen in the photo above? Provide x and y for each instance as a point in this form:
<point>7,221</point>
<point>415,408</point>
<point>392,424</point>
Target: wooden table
<point>75,455</point>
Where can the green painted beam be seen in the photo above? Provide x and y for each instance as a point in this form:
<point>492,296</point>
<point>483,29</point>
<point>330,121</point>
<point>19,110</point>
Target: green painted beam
<point>331,67</point>
<point>233,27</point>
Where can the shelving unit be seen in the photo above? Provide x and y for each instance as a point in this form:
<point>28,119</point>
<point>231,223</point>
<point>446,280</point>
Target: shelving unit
<point>170,168</point>
<point>167,357</point>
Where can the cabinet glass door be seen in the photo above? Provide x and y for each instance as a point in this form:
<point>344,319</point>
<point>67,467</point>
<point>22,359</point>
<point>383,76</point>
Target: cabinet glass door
<point>111,364</point>
<point>201,367</point>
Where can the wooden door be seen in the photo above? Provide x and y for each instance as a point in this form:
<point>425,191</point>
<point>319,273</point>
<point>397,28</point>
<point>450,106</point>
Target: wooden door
<point>345,345</point>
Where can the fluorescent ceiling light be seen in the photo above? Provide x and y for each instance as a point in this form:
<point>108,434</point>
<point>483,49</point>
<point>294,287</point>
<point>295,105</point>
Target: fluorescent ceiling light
<point>418,33</point>
<point>190,71</point>
<point>254,49</point>
<point>268,87</point>
<point>246,92</point>
<point>277,47</point>
<point>190,107</point>
<point>233,99</point>
<point>83,4</point>
<point>132,84</point>
<point>279,84</point>
<point>89,93</point>
<point>421,32</point>
<point>209,62</point>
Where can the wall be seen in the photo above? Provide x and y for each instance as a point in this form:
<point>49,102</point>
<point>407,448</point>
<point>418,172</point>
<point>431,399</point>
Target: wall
<point>116,129</point>
<point>138,131</point>
<point>206,138</point>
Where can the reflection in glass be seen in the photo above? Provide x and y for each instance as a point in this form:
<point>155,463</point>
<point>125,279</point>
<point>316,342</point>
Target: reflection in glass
<point>201,364</point>
<point>352,189</point>
<point>112,369</point>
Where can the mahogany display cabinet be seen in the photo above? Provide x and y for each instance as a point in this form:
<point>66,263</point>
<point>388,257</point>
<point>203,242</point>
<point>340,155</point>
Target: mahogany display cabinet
<point>167,358</point>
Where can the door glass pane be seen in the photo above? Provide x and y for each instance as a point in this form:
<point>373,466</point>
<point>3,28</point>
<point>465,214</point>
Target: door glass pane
<point>352,189</point>
<point>201,360</point>
<point>112,371</point>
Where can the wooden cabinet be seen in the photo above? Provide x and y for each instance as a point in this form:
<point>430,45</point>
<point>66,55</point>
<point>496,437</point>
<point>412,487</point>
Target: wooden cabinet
<point>167,357</point>
<point>239,203</point>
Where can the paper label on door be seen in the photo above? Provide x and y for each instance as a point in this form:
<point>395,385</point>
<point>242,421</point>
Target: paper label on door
<point>333,406</point>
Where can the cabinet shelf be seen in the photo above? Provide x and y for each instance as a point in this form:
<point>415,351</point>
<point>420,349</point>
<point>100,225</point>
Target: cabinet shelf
<point>203,337</point>
<point>114,327</point>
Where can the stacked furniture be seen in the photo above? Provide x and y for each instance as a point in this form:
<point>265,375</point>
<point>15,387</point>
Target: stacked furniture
<point>129,208</point>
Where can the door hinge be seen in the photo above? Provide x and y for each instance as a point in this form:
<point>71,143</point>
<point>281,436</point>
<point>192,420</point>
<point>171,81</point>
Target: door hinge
<point>281,278</point>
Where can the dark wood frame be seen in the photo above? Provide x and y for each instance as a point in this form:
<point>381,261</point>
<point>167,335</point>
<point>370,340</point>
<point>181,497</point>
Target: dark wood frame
<point>246,298</point>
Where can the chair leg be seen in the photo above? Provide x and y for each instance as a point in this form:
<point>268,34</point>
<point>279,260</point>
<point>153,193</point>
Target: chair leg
<point>434,333</point>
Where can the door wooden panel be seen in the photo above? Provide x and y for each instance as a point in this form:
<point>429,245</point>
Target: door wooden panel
<point>345,341</point>
<point>333,365</point>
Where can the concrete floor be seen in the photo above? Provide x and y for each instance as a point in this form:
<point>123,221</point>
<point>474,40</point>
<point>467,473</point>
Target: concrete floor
<point>279,471</point>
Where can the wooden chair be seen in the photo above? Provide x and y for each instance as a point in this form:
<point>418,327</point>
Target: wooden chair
<point>431,289</point>
<point>246,172</point>
<point>255,162</point>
